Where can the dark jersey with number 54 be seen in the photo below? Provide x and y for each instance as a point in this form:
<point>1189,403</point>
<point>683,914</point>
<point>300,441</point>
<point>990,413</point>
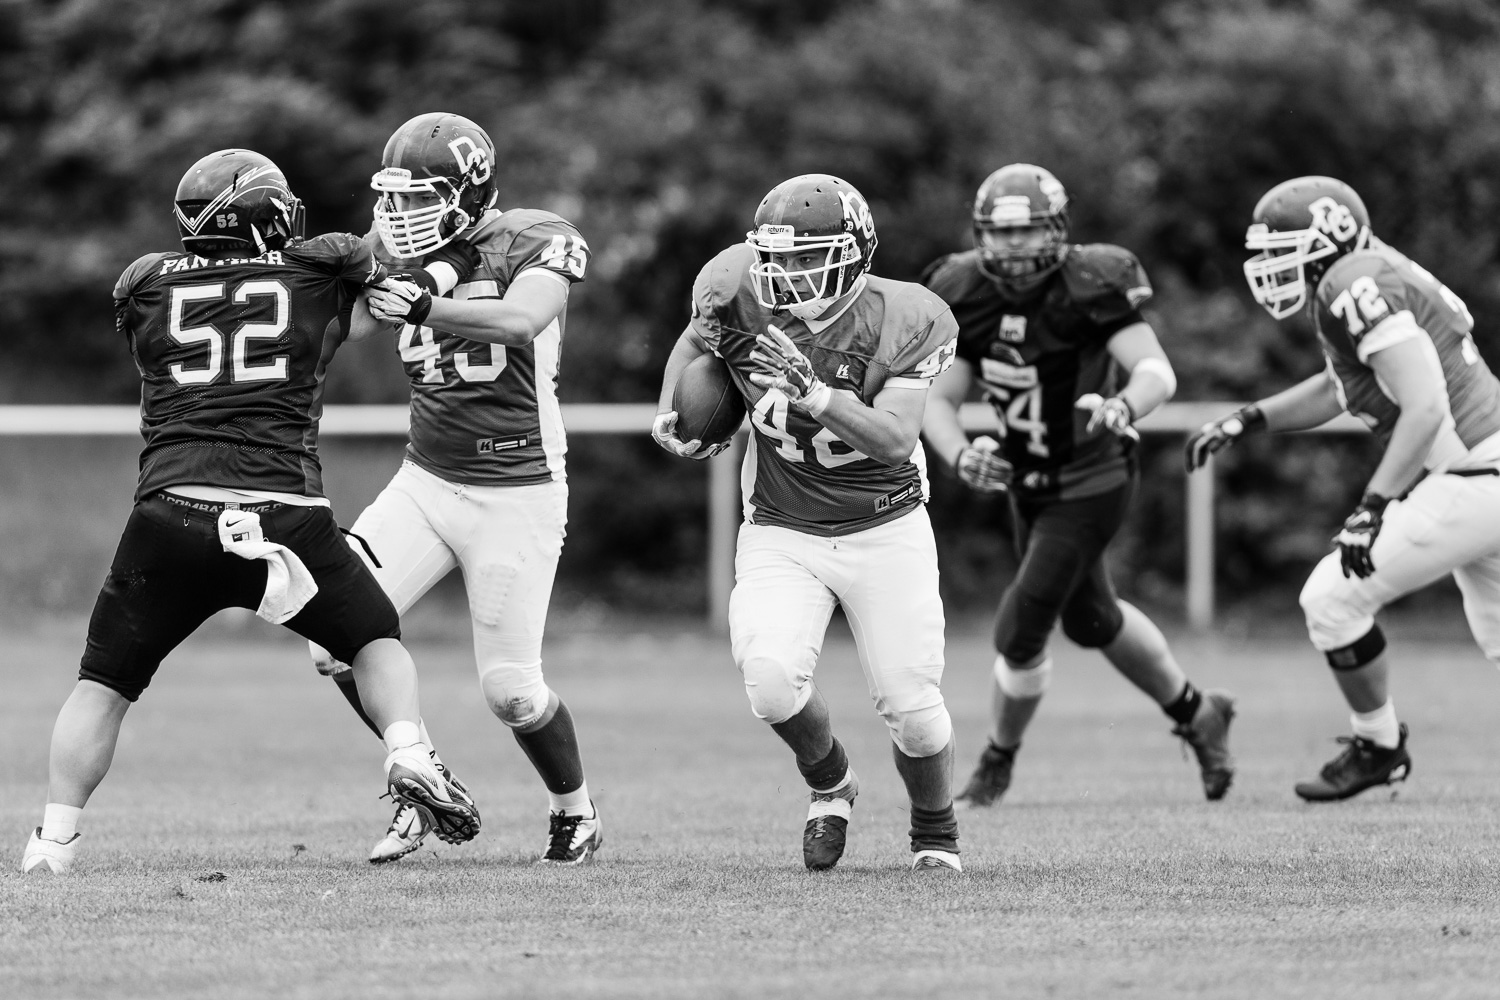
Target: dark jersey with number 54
<point>1377,297</point>
<point>232,354</point>
<point>1034,358</point>
<point>484,414</point>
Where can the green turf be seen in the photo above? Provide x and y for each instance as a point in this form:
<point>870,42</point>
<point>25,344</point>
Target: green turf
<point>1104,873</point>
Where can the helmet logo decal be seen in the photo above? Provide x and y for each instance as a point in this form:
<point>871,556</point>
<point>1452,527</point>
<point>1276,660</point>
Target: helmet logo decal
<point>1011,209</point>
<point>475,160</point>
<point>1328,216</point>
<point>778,237</point>
<point>857,214</point>
<point>1053,189</point>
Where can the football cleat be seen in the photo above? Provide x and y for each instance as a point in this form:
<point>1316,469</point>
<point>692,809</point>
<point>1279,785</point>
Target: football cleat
<point>990,778</point>
<point>930,860</point>
<point>409,827</point>
<point>827,827</point>
<point>572,840</point>
<point>1208,735</point>
<point>49,855</point>
<point>1363,764</point>
<point>416,781</point>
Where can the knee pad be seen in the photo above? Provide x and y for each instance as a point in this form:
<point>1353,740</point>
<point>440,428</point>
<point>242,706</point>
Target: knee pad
<point>1094,624</point>
<point>1030,683</point>
<point>1359,652</point>
<point>922,732</point>
<point>515,692</point>
<point>775,693</point>
<point>1336,614</point>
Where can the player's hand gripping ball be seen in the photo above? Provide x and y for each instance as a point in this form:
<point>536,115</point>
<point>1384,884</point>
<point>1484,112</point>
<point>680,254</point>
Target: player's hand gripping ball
<point>981,470</point>
<point>664,433</point>
<point>1214,437</point>
<point>783,366</point>
<point>1357,537</point>
<point>399,300</point>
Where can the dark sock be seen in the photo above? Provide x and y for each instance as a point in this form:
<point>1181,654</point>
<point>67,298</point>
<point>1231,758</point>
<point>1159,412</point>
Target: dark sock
<point>351,692</point>
<point>553,751</point>
<point>1000,749</point>
<point>934,829</point>
<point>1185,706</point>
<point>827,772</point>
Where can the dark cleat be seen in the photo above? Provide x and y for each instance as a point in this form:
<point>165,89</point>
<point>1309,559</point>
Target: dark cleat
<point>1208,735</point>
<point>1363,764</point>
<point>990,778</point>
<point>828,826</point>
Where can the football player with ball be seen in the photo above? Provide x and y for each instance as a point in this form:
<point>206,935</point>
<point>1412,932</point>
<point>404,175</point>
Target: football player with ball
<point>834,365</point>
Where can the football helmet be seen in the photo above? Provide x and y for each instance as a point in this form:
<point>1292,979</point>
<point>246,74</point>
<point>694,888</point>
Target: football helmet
<point>1301,227</point>
<point>810,213</point>
<point>1021,196</point>
<point>236,200</point>
<point>436,177</point>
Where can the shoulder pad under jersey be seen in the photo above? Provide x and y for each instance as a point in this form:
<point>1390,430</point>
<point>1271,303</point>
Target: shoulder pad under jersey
<point>718,288</point>
<point>520,238</point>
<point>1360,291</point>
<point>344,255</point>
<point>955,277</point>
<point>141,268</point>
<point>1105,280</point>
<point>918,329</point>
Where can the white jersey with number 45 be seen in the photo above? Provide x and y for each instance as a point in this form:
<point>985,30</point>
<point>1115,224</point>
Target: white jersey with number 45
<point>797,473</point>
<point>1375,298</point>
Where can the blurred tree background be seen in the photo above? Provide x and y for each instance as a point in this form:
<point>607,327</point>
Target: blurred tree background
<point>656,127</point>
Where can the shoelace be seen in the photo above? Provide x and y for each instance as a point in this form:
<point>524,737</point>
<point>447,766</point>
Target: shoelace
<point>560,833</point>
<point>1355,749</point>
<point>820,827</point>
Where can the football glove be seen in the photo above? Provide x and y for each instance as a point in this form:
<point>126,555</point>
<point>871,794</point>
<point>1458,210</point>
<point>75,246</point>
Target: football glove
<point>1113,414</point>
<point>398,299</point>
<point>1358,535</point>
<point>785,367</point>
<point>664,433</point>
<point>1214,437</point>
<point>981,469</point>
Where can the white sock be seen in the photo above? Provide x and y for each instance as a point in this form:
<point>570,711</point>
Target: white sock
<point>402,734</point>
<point>1379,727</point>
<point>574,803</point>
<point>60,822</point>
<point>840,785</point>
<point>422,728</point>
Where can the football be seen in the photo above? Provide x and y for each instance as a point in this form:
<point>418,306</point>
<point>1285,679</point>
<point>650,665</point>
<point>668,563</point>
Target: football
<point>709,407</point>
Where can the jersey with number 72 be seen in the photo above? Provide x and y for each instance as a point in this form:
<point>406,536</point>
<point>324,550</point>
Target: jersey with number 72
<point>797,473</point>
<point>1377,297</point>
<point>232,355</point>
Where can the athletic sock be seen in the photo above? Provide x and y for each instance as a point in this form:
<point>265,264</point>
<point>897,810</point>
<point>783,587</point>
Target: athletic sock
<point>1185,705</point>
<point>829,774</point>
<point>60,822</point>
<point>934,829</point>
<point>403,734</point>
<point>574,803</point>
<point>1379,727</point>
<point>350,692</point>
<point>553,751</point>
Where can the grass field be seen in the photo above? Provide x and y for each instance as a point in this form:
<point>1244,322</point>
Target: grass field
<point>1104,873</point>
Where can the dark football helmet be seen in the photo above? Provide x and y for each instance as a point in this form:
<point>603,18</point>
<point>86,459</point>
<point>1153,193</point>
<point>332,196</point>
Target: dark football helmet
<point>1301,227</point>
<point>236,200</point>
<point>810,213</point>
<point>1021,196</point>
<point>436,178</point>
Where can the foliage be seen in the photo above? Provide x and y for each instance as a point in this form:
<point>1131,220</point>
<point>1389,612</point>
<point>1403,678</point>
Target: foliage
<point>656,127</point>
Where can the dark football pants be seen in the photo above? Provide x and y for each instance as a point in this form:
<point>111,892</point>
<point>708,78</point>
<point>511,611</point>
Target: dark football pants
<point>170,573</point>
<point>1062,574</point>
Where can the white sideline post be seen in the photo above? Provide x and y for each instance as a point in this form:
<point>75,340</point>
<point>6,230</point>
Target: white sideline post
<point>724,517</point>
<point>1200,547</point>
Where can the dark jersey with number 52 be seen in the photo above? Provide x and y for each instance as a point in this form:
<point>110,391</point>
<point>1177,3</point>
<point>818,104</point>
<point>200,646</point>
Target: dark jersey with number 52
<point>1035,357</point>
<point>232,354</point>
<point>1374,298</point>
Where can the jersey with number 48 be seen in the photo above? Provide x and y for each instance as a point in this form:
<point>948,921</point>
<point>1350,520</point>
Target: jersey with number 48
<point>1033,358</point>
<point>1374,298</point>
<point>798,474</point>
<point>232,354</point>
<point>485,414</point>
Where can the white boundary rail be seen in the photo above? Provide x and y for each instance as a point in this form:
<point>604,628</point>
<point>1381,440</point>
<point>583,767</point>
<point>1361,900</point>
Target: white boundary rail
<point>723,487</point>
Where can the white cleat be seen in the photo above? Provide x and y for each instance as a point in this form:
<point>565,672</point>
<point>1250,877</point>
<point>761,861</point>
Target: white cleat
<point>572,840</point>
<point>930,860</point>
<point>49,855</point>
<point>415,780</point>
<point>409,827</point>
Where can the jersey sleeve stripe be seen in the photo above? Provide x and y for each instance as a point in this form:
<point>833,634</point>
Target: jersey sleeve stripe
<point>907,382</point>
<point>542,272</point>
<point>1388,332</point>
<point>483,289</point>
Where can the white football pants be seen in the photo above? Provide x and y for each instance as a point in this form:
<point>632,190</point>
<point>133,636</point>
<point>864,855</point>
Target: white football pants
<point>886,578</point>
<point>1447,524</point>
<point>506,539</point>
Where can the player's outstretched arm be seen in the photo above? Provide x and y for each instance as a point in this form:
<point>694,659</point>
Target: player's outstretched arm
<point>1152,381</point>
<point>534,299</point>
<point>689,348</point>
<point>1310,403</point>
